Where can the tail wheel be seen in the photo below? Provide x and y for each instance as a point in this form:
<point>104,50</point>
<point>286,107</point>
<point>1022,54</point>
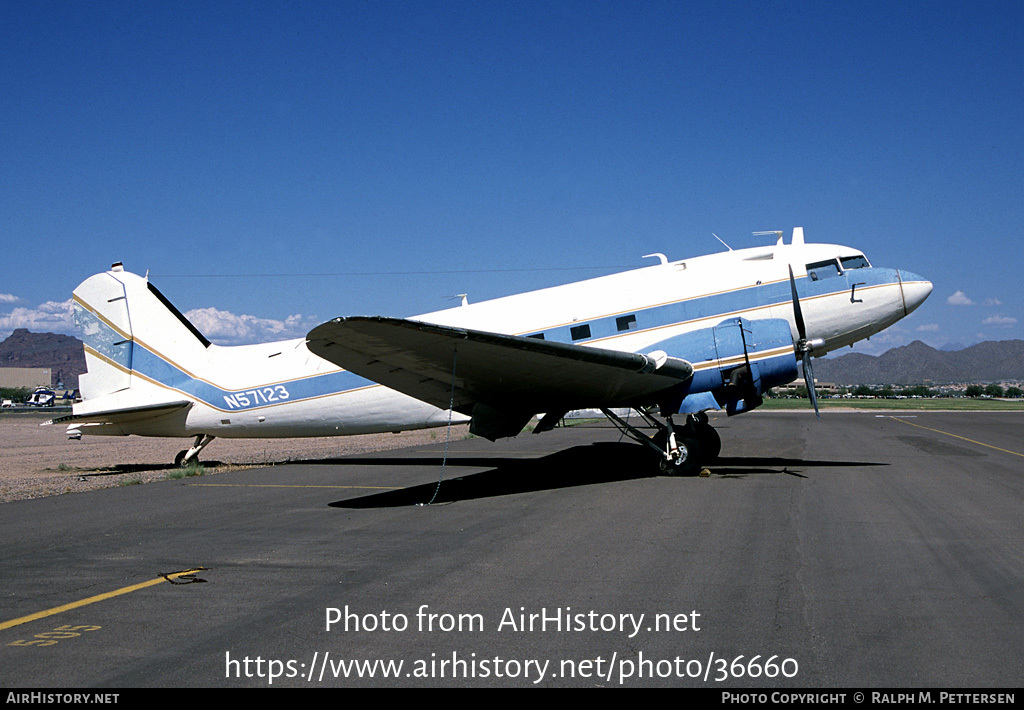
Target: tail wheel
<point>183,460</point>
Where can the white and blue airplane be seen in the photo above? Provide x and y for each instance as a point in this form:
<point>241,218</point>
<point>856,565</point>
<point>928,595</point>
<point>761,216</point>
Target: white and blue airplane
<point>670,341</point>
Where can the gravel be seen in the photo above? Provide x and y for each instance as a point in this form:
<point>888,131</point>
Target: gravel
<point>38,461</point>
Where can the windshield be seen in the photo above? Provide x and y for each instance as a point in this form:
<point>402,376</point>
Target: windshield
<point>854,262</point>
<point>823,269</point>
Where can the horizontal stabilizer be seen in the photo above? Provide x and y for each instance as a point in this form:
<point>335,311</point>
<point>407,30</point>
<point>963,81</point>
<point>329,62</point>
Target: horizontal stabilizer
<point>506,372</point>
<point>123,414</point>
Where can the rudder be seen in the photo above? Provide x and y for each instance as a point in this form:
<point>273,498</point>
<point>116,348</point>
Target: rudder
<point>123,318</point>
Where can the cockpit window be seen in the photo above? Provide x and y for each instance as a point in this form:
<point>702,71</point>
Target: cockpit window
<point>855,262</point>
<point>823,269</point>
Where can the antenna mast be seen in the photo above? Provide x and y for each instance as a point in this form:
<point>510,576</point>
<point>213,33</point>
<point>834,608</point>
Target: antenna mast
<point>776,232</point>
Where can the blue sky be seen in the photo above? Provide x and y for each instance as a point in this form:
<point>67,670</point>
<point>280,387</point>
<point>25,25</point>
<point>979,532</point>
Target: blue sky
<point>274,165</point>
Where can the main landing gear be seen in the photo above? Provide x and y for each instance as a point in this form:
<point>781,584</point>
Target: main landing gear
<point>189,456</point>
<point>681,449</point>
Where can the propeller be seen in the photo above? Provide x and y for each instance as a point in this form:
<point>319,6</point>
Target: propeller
<point>803,345</point>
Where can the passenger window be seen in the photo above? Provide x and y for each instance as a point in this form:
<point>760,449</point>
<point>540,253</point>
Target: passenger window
<point>580,332</point>
<point>538,336</point>
<point>823,269</point>
<point>854,262</point>
<point>626,323</point>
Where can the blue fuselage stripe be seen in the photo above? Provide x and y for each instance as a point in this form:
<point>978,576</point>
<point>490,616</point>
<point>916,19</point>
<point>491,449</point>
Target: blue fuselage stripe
<point>720,304</point>
<point>154,367</point>
<point>151,365</point>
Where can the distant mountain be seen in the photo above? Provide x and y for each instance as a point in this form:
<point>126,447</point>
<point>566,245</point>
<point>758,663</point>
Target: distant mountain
<point>916,363</point>
<point>63,354</point>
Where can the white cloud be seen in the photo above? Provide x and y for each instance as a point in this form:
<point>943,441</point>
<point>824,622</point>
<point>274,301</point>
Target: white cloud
<point>960,299</point>
<point>49,317</point>
<point>928,328</point>
<point>226,328</point>
<point>1003,321</point>
<point>8,298</point>
<point>222,327</point>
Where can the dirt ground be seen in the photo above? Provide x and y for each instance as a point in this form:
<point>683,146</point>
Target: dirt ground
<point>38,461</point>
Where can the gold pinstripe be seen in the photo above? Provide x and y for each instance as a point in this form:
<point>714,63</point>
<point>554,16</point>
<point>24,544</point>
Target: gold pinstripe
<point>696,366</point>
<point>157,383</point>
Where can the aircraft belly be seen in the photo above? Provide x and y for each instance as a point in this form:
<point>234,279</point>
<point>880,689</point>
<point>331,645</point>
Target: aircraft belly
<point>371,410</point>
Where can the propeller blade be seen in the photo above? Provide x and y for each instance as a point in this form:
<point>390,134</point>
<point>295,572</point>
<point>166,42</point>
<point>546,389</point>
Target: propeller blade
<point>803,346</point>
<point>800,328</point>
<point>809,380</point>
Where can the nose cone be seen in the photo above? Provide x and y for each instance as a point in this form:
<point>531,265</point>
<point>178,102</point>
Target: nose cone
<point>915,290</point>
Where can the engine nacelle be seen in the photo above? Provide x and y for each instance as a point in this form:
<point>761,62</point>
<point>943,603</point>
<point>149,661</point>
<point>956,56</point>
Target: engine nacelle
<point>734,362</point>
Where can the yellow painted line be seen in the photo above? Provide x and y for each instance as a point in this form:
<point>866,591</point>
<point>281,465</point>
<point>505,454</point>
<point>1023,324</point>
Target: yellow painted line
<point>496,453</point>
<point>286,485</point>
<point>97,598</point>
<point>957,436</point>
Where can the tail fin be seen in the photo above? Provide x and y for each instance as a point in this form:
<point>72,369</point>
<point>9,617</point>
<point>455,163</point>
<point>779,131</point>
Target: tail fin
<point>130,329</point>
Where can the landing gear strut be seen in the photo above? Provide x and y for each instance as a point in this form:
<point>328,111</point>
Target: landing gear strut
<point>682,449</point>
<point>186,457</point>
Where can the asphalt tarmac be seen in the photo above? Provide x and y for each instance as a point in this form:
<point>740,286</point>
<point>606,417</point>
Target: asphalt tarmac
<point>865,550</point>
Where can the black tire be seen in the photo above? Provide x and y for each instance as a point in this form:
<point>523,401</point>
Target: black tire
<point>710,444</point>
<point>691,464</point>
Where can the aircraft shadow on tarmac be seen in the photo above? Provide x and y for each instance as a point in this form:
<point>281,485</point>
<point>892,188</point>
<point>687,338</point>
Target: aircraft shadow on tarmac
<point>602,462</point>
<point>123,468</point>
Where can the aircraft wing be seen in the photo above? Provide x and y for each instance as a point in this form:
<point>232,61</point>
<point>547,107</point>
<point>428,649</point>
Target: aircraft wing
<point>503,372</point>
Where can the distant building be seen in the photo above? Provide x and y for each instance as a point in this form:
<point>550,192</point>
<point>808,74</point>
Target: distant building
<point>30,377</point>
<point>822,388</point>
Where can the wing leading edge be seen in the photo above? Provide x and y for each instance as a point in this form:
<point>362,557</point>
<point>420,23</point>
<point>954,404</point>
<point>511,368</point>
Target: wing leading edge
<point>491,372</point>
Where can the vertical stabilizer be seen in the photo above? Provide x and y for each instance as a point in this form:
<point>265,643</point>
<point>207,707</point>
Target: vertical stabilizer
<point>101,314</point>
<point>129,328</point>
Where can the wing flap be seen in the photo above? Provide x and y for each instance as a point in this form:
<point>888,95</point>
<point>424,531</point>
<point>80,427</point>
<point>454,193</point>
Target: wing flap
<point>424,360</point>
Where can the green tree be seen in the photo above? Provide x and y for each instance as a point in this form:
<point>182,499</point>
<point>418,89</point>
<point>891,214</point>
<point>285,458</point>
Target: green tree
<point>1014,392</point>
<point>16,394</point>
<point>994,390</point>
<point>974,391</point>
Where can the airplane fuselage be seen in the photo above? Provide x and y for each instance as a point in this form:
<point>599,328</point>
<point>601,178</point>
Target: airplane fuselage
<point>282,389</point>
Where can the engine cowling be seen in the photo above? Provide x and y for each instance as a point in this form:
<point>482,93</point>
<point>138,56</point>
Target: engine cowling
<point>735,363</point>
